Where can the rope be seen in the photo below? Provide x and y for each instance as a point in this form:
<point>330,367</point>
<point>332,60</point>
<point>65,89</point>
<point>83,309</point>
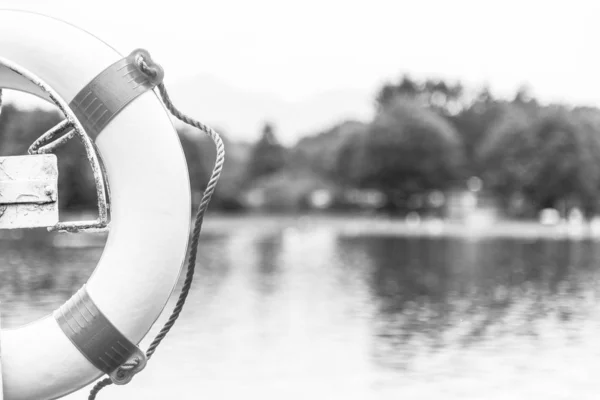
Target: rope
<point>191,265</point>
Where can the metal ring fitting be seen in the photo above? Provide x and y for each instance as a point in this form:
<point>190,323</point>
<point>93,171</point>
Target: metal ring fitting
<point>144,62</point>
<point>122,376</point>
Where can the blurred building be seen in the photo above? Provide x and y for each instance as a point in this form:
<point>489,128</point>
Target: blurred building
<point>469,206</point>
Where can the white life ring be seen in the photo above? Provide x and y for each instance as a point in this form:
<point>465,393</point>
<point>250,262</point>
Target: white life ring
<point>150,208</point>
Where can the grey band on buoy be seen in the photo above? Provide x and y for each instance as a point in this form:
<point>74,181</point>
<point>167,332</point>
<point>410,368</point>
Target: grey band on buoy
<point>93,334</point>
<point>108,93</point>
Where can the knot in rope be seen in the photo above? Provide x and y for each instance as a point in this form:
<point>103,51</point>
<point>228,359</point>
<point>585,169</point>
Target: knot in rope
<point>143,65</point>
<point>128,366</point>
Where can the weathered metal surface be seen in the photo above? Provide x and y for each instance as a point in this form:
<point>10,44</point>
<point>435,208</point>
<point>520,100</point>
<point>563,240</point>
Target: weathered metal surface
<point>97,338</point>
<point>44,144</point>
<point>28,191</point>
<point>92,155</point>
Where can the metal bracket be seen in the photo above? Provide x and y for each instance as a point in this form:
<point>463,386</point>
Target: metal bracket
<point>89,113</point>
<point>47,143</point>
<point>73,124</point>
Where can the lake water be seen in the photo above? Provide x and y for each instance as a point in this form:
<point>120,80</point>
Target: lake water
<point>301,311</point>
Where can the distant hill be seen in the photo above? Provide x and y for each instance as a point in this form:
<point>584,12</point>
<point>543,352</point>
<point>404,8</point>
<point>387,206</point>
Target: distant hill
<point>241,113</point>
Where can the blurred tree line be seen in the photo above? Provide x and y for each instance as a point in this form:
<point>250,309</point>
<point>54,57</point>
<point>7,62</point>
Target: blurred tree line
<point>426,137</point>
<point>432,136</point>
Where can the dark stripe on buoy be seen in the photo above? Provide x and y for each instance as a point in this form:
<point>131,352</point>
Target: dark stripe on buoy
<point>108,93</point>
<point>93,334</point>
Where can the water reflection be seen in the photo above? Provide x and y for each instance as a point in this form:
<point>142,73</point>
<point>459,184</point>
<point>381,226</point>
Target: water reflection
<point>436,288</point>
<point>37,276</point>
<point>268,250</point>
<point>302,311</point>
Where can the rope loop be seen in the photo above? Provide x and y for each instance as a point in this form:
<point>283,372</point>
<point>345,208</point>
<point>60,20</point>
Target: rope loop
<point>141,62</point>
<point>146,64</point>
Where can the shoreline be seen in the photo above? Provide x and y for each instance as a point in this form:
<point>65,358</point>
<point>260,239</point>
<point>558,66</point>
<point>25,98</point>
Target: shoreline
<point>349,225</point>
<point>361,225</point>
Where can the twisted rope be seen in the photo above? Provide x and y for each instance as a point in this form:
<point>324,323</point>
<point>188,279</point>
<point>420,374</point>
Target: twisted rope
<point>191,265</point>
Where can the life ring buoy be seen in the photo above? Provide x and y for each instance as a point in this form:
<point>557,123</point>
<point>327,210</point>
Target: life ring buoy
<point>150,214</point>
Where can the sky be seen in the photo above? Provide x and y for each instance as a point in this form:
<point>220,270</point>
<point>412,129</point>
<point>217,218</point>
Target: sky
<point>298,50</point>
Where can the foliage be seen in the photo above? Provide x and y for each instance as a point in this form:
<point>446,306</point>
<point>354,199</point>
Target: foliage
<point>321,152</point>
<point>473,123</point>
<point>268,156</point>
<point>407,150</point>
<point>543,158</point>
<point>288,190</point>
<point>443,97</point>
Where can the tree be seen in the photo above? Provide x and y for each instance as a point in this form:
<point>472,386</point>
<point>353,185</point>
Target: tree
<point>442,97</point>
<point>406,87</point>
<point>523,97</point>
<point>319,153</point>
<point>267,156</point>
<point>408,150</point>
<point>544,158</point>
<point>474,122</point>
<point>347,167</point>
